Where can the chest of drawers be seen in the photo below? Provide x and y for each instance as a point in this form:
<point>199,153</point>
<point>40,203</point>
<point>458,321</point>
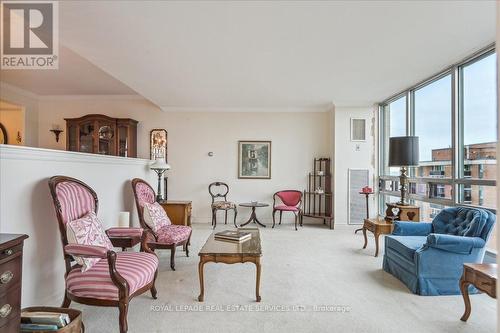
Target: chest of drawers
<point>11,266</point>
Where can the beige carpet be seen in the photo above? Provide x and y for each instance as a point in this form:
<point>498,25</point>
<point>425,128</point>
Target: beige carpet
<point>313,280</point>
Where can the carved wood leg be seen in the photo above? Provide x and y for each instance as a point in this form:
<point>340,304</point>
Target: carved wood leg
<point>225,217</point>
<point>123,307</point>
<point>377,234</point>
<point>257,285</point>
<point>281,213</point>
<point>274,219</point>
<point>172,258</point>
<point>66,302</point>
<point>214,218</point>
<point>464,288</point>
<point>235,214</point>
<point>153,287</point>
<point>187,246</point>
<point>366,239</point>
<point>200,273</point>
<point>296,217</point>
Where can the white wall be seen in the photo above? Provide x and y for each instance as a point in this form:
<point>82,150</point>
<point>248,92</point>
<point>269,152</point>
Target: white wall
<point>297,138</point>
<point>347,157</point>
<point>29,102</point>
<point>498,149</point>
<point>26,207</point>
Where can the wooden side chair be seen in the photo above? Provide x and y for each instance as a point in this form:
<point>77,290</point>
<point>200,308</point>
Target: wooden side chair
<point>168,237</point>
<point>290,202</point>
<point>115,277</point>
<point>220,190</point>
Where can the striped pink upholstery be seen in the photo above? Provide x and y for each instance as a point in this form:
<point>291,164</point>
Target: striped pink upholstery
<point>171,234</point>
<point>138,268</point>
<point>287,208</point>
<point>144,194</point>
<point>76,201</point>
<point>124,232</point>
<point>91,251</point>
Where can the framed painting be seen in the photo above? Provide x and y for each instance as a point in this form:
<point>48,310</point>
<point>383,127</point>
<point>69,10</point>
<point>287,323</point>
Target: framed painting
<point>158,144</point>
<point>254,159</point>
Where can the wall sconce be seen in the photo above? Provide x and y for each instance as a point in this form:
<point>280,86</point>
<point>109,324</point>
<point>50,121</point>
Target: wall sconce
<point>57,131</point>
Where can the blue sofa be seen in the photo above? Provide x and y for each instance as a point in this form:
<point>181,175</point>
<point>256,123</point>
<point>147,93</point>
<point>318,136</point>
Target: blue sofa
<point>429,257</point>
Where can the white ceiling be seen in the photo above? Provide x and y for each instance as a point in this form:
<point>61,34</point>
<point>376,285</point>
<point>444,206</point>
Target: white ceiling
<point>273,54</point>
<point>75,76</point>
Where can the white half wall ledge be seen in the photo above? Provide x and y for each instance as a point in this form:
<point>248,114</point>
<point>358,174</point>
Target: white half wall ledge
<point>42,154</point>
<point>26,207</point>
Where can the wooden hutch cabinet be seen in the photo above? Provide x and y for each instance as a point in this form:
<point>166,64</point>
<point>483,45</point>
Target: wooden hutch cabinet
<point>100,134</point>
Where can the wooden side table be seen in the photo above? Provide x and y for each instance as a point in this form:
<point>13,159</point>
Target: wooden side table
<point>11,268</point>
<point>378,226</point>
<point>179,212</point>
<point>481,276</point>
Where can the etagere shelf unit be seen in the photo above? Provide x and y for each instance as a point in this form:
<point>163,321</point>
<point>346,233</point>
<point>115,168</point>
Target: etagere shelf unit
<point>318,197</point>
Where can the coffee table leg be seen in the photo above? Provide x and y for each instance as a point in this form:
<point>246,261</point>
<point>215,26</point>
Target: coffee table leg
<point>257,285</point>
<point>366,239</point>
<point>464,288</point>
<point>200,273</point>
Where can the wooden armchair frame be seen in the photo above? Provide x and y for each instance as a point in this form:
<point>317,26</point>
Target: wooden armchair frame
<point>119,281</point>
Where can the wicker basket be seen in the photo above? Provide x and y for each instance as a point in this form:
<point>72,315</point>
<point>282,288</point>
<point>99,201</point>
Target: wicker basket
<point>75,326</point>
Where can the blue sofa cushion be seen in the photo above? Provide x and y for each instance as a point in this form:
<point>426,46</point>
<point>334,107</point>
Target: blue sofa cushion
<point>405,245</point>
<point>459,221</point>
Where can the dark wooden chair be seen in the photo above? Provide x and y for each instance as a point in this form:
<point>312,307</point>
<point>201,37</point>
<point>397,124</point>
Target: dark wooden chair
<point>220,190</point>
<point>290,202</point>
<point>169,237</point>
<point>114,280</point>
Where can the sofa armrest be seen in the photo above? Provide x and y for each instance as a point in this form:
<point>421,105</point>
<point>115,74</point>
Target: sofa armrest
<point>124,232</point>
<point>455,244</point>
<point>87,251</point>
<point>412,228</point>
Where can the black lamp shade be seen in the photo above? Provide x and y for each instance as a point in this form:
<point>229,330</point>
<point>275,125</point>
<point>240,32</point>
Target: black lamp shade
<point>403,151</point>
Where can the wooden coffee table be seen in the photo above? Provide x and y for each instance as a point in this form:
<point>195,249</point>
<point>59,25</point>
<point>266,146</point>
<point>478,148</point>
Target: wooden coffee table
<point>231,253</point>
<point>378,226</point>
<point>481,276</point>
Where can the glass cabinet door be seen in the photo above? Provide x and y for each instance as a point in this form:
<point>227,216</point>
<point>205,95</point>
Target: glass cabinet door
<point>72,145</point>
<point>123,141</point>
<point>106,135</point>
<point>86,142</point>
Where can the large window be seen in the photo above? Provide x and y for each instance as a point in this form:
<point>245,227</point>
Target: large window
<point>395,113</point>
<point>454,115</point>
<point>479,104</point>
<point>432,105</point>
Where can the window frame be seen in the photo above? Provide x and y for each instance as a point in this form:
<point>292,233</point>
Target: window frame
<point>458,175</point>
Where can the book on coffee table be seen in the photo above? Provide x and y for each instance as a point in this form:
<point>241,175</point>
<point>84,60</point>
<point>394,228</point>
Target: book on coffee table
<point>233,236</point>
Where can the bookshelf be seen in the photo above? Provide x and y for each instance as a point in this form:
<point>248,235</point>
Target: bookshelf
<point>318,197</point>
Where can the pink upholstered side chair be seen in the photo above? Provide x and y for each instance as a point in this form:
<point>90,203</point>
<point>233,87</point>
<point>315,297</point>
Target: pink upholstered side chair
<point>168,237</point>
<point>289,201</point>
<point>115,277</point>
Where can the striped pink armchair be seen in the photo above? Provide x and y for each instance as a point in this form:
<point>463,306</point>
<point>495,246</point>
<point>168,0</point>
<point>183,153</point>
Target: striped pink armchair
<point>115,278</point>
<point>169,236</point>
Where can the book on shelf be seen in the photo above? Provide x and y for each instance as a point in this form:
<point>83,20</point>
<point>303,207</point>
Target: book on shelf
<point>45,318</point>
<point>233,236</point>
<point>38,328</point>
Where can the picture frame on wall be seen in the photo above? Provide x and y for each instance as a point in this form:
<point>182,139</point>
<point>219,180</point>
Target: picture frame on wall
<point>254,159</point>
<point>158,139</point>
<point>358,129</point>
